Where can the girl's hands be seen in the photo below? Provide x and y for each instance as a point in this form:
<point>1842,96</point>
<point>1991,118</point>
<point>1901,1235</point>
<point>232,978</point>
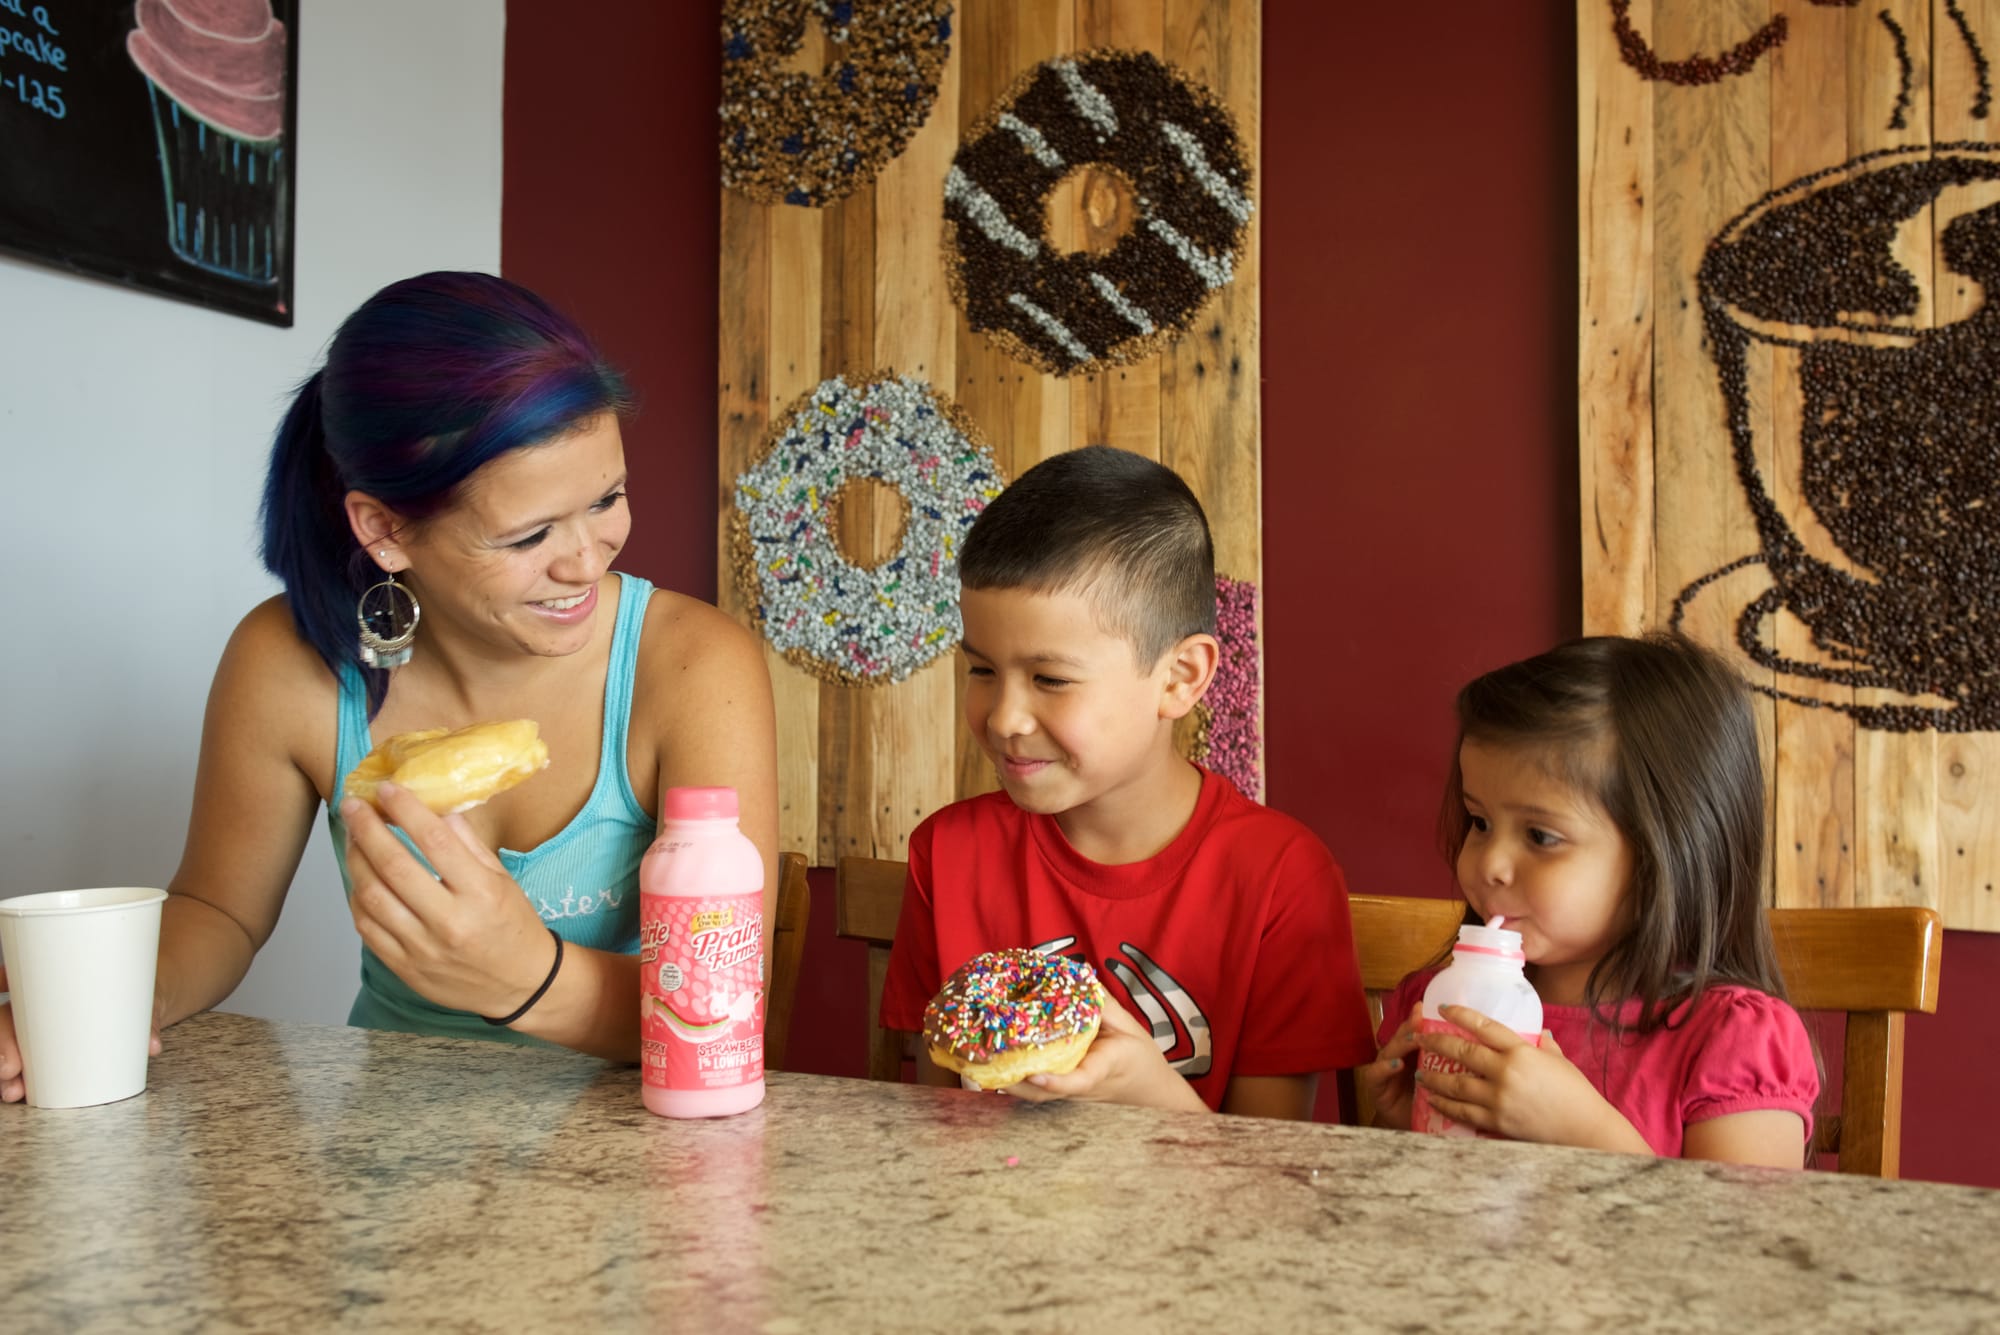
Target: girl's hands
<point>1514,1089</point>
<point>467,938</point>
<point>1390,1080</point>
<point>1123,1065</point>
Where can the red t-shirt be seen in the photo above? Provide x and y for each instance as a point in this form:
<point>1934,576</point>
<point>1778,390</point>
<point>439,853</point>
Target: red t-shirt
<point>1740,1050</point>
<point>1233,942</point>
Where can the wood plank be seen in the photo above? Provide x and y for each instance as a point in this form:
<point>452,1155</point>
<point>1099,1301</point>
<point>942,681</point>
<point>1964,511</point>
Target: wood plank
<point>1002,40</point>
<point>847,348</point>
<point>745,410</point>
<point>1968,764</point>
<point>894,771</point>
<point>1897,817</point>
<point>1712,158</point>
<point>792,328</point>
<point>1120,406</point>
<point>1211,429</point>
<point>1814,837</point>
<point>1615,333</point>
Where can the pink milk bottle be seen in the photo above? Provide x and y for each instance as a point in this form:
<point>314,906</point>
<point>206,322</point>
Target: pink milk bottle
<point>701,960</point>
<point>1486,974</point>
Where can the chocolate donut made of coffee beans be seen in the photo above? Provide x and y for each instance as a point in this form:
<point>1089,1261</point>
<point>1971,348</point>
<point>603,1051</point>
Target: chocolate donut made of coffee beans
<point>1174,145</point>
<point>790,138</point>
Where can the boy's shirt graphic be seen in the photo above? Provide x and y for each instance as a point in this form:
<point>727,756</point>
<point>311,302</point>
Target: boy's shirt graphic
<point>1188,1048</point>
<point>1233,943</point>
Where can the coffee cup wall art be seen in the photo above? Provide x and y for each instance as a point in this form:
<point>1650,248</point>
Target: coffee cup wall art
<point>1789,376</point>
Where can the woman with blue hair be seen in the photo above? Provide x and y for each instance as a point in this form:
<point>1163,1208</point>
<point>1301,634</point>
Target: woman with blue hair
<point>445,500</point>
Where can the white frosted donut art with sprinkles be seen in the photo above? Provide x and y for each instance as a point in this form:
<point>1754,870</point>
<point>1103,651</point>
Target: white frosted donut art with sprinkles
<point>834,618</point>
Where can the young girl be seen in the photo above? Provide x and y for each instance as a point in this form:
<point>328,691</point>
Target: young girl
<point>1607,800</point>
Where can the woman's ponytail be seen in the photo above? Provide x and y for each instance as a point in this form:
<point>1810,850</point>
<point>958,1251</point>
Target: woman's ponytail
<point>307,542</point>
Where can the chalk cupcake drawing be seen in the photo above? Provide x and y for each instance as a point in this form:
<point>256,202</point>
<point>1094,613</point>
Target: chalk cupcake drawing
<point>215,76</point>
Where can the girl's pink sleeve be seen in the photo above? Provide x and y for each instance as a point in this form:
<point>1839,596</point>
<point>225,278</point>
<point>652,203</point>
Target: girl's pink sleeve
<point>1757,1057</point>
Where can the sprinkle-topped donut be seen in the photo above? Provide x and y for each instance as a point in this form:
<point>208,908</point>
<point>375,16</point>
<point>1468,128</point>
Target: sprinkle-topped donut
<point>790,137</point>
<point>1008,1000</point>
<point>835,619</point>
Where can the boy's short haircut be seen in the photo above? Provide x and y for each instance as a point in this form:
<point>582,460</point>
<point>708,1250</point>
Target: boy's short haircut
<point>1114,526</point>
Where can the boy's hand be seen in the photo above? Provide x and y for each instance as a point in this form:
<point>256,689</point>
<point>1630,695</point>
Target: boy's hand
<point>1123,1065</point>
<point>1390,1080</point>
<point>1514,1089</point>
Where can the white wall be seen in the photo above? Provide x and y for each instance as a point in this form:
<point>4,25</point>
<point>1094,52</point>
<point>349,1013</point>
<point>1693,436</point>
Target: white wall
<point>133,431</point>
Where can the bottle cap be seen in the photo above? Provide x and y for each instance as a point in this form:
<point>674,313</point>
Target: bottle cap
<point>1475,940</point>
<point>699,804</point>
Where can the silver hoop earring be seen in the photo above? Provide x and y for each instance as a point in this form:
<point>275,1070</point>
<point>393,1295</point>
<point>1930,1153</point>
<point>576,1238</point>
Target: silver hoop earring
<point>387,631</point>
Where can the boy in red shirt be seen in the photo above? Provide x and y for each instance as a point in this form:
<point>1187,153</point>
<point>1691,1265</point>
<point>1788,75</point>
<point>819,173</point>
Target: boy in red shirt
<point>1089,608</point>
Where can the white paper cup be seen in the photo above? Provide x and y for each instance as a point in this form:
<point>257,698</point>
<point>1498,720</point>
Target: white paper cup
<point>80,967</point>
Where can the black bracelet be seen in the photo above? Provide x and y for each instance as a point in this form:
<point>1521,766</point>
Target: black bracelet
<point>527,1005</point>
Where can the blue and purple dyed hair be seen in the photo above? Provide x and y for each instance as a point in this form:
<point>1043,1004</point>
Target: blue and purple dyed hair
<point>431,379</point>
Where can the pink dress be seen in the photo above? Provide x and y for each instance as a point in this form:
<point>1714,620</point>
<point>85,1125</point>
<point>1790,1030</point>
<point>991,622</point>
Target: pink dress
<point>1736,1050</point>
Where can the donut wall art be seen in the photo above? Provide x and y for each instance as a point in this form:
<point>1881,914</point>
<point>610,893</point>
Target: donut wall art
<point>1790,400</point>
<point>958,237</point>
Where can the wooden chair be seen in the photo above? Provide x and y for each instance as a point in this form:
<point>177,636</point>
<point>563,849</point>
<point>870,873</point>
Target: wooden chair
<point>867,899</point>
<point>1877,965</point>
<point>788,947</point>
<point>1394,936</point>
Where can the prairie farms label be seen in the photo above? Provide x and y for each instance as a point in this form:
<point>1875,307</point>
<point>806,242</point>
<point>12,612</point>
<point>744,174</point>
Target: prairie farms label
<point>701,991</point>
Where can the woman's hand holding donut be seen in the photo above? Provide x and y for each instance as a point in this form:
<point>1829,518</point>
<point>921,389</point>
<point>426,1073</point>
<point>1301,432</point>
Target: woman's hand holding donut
<point>466,938</point>
<point>1123,1065</point>
<point>1390,1080</point>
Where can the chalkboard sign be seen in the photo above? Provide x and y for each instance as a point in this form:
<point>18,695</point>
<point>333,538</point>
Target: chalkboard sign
<point>153,144</point>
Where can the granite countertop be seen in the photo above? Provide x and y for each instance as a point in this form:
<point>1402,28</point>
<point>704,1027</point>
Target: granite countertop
<point>285,1177</point>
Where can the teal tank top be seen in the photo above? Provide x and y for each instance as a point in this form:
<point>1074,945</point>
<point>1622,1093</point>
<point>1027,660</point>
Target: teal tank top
<point>584,881</point>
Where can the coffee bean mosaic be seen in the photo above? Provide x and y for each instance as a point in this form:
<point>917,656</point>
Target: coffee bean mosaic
<point>1132,114</point>
<point>1983,102</point>
<point>1636,52</point>
<point>790,138</point>
<point>1695,70</point>
<point>1900,435</point>
<point>1899,116</point>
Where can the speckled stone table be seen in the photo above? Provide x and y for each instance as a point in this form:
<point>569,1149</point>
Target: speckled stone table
<point>294,1178</point>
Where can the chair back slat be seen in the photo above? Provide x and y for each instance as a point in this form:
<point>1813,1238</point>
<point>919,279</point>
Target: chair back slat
<point>1394,936</point>
<point>867,900</point>
<point>1875,965</point>
<point>1876,959</point>
<point>788,948</point>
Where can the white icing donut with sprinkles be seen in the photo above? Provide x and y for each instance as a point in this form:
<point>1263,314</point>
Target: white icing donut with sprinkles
<point>823,612</point>
<point>1175,147</point>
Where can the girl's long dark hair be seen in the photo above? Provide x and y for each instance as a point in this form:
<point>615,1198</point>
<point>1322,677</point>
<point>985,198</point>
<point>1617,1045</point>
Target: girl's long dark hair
<point>1659,732</point>
<point>430,379</point>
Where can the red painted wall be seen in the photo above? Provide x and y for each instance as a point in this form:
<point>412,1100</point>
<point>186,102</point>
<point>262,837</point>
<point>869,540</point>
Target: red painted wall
<point>1419,350</point>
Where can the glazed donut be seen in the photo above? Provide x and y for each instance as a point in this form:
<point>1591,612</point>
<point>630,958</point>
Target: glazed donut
<point>452,771</point>
<point>1009,1014</point>
<point>1169,140</point>
<point>792,138</point>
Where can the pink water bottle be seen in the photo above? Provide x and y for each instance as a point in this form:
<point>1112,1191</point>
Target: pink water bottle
<point>1487,974</point>
<point>701,960</point>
